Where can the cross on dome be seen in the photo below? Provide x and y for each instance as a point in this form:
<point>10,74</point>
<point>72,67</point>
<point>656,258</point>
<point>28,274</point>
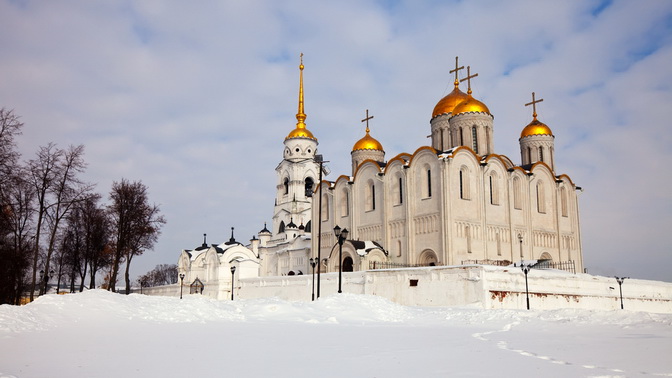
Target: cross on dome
<point>468,79</point>
<point>367,120</point>
<point>534,105</point>
<point>456,70</point>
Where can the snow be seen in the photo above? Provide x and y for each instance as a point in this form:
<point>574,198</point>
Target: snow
<point>102,334</point>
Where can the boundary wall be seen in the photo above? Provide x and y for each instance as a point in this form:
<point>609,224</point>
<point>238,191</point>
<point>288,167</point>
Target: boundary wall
<point>479,286</point>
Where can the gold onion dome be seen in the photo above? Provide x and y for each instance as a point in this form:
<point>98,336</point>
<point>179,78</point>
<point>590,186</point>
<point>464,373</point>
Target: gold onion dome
<point>470,105</point>
<point>367,143</point>
<point>536,127</point>
<point>300,131</point>
<point>448,103</point>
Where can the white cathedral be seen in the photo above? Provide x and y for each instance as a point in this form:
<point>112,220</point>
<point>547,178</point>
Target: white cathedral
<point>452,203</point>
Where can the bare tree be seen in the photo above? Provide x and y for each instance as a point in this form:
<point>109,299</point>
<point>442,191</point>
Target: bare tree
<point>136,225</point>
<point>54,175</point>
<point>162,274</point>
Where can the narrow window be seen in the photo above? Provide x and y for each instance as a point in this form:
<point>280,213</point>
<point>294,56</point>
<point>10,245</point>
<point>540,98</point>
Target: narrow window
<point>373,197</point>
<point>429,183</point>
<point>309,187</point>
<point>517,193</point>
<point>563,201</point>
<point>541,203</point>
<point>286,184</point>
<point>541,153</point>
<point>467,231</point>
<point>345,203</point>
<point>492,202</point>
<point>474,139</point>
<point>401,191</point>
<point>281,229</point>
<point>325,207</point>
<point>461,185</point>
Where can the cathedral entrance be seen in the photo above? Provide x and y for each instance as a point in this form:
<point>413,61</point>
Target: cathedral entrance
<point>428,258</point>
<point>347,264</point>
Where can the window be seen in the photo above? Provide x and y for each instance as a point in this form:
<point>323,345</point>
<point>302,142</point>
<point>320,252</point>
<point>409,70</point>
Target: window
<point>474,139</point>
<point>286,185</point>
<point>309,187</point>
<point>467,232</point>
<point>373,197</point>
<point>325,207</point>
<point>541,153</point>
<point>429,183</point>
<point>464,183</point>
<point>494,192</point>
<point>370,196</point>
<point>345,203</point>
<point>517,188</point>
<point>281,229</point>
<point>541,203</point>
<point>401,191</point>
<point>563,201</point>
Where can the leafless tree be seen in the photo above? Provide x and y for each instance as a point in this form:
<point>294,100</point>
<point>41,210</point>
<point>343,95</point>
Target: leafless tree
<point>54,175</point>
<point>136,225</point>
<point>162,274</point>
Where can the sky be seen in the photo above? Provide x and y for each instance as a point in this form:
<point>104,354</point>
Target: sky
<point>342,335</point>
<point>195,99</point>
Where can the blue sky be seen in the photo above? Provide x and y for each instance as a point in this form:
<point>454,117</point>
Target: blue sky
<point>195,99</point>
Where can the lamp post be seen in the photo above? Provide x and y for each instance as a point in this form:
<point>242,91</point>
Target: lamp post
<point>313,263</point>
<point>233,271</point>
<point>520,240</point>
<point>620,289</point>
<point>181,283</point>
<point>526,269</point>
<point>342,236</point>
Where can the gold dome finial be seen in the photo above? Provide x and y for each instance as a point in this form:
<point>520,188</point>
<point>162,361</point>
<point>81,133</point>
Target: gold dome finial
<point>534,106</point>
<point>468,79</point>
<point>457,68</point>
<point>368,142</point>
<point>300,131</point>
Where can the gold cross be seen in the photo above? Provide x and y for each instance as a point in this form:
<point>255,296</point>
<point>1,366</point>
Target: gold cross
<point>457,81</point>
<point>367,120</point>
<point>534,106</point>
<point>468,79</point>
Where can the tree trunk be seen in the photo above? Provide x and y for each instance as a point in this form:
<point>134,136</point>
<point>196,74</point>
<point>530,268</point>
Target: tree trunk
<point>126,274</point>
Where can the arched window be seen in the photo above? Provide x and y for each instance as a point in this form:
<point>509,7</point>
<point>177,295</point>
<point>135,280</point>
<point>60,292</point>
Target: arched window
<point>464,183</point>
<point>325,207</point>
<point>348,264</point>
<point>308,227</point>
<point>309,186</point>
<point>401,191</point>
<point>373,196</point>
<point>286,185</point>
<point>541,200</point>
<point>529,155</point>
<point>281,229</point>
<point>429,183</point>
<point>345,203</point>
<point>517,193</point>
<point>474,139</point>
<point>563,201</point>
<point>494,186</point>
<point>467,233</point>
<point>541,153</point>
<point>370,196</point>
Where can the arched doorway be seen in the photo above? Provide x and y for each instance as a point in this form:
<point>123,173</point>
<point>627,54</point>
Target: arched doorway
<point>347,264</point>
<point>428,258</point>
<point>546,256</point>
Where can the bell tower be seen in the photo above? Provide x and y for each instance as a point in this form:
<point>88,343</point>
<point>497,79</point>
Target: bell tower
<point>297,172</point>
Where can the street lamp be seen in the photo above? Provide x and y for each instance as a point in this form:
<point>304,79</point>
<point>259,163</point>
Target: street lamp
<point>181,283</point>
<point>526,269</point>
<point>342,236</point>
<point>313,263</point>
<point>520,239</point>
<point>233,271</point>
<point>620,289</point>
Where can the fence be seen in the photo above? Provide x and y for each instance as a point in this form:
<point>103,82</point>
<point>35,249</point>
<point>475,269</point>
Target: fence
<point>373,265</point>
<point>567,266</point>
<point>487,262</point>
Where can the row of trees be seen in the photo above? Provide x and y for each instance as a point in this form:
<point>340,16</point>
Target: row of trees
<point>162,274</point>
<point>53,224</point>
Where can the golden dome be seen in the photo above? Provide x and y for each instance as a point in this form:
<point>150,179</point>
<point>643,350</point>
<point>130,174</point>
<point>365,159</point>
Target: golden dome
<point>448,103</point>
<point>301,132</point>
<point>367,143</point>
<point>470,105</point>
<point>536,128</point>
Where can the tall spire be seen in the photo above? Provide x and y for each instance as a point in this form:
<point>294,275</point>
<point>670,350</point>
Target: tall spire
<point>300,115</point>
<point>301,131</point>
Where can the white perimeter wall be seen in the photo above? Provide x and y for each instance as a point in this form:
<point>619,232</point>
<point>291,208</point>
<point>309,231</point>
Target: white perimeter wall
<point>476,285</point>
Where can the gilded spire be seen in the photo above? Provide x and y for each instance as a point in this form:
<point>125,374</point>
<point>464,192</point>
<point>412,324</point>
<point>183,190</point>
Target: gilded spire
<point>301,131</point>
<point>301,116</point>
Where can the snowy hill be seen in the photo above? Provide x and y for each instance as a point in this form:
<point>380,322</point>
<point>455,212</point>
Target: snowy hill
<point>101,334</point>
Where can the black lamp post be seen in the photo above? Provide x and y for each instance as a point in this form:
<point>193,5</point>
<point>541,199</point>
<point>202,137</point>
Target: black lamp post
<point>233,271</point>
<point>520,240</point>
<point>181,283</point>
<point>342,236</point>
<point>526,269</point>
<point>313,263</point>
<point>620,289</point>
